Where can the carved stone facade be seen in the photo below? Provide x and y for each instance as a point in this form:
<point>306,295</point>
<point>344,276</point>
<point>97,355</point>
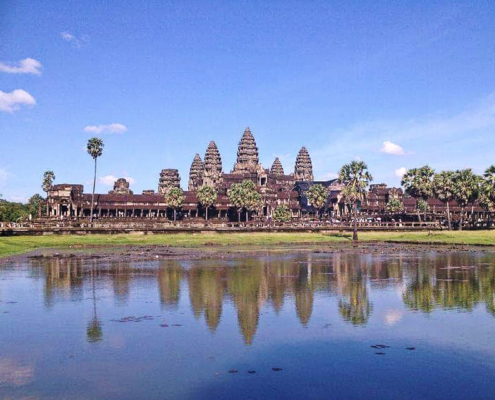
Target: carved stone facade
<point>169,178</point>
<point>303,170</point>
<point>121,187</point>
<point>196,173</point>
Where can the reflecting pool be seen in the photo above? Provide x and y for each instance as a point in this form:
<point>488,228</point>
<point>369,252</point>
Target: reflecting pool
<point>403,325</point>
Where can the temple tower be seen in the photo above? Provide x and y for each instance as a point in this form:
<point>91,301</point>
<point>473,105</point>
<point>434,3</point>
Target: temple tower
<point>212,172</point>
<point>277,168</point>
<point>247,154</point>
<point>121,187</point>
<point>303,170</point>
<point>196,174</point>
<point>169,178</point>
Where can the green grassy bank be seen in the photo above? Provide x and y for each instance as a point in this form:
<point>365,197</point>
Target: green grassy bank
<point>22,244</point>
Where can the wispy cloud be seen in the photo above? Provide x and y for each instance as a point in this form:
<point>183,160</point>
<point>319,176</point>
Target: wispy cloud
<point>110,128</point>
<point>11,102</point>
<point>4,175</point>
<point>26,66</point>
<point>400,172</point>
<point>434,139</point>
<point>109,180</point>
<point>74,40</point>
<point>392,148</point>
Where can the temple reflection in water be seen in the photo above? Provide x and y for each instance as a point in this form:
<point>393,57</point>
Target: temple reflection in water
<point>425,284</point>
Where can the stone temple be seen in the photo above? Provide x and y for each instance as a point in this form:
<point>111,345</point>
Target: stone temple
<point>275,186</point>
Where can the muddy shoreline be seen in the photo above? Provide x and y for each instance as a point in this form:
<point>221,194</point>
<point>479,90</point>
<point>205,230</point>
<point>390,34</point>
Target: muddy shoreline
<point>159,252</point>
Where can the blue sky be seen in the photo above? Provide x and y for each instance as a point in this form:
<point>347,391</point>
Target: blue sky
<point>397,84</point>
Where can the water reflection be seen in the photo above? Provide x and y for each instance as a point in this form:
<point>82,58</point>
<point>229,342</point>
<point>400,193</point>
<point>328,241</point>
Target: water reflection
<point>451,281</point>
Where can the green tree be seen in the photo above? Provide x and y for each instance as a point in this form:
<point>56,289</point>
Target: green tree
<point>317,196</point>
<point>422,206</point>
<point>417,183</point>
<point>174,199</point>
<point>394,206</point>
<point>235,194</point>
<point>253,202</point>
<point>355,177</point>
<point>243,195</point>
<point>207,195</point>
<point>487,191</point>
<point>35,205</point>
<point>48,178</point>
<point>282,214</point>
<point>443,190</point>
<point>465,190</point>
<point>95,150</point>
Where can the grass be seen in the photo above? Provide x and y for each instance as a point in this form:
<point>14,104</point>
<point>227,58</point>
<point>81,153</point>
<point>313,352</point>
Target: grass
<point>23,244</point>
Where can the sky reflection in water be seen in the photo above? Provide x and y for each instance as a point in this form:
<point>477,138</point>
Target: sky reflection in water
<point>84,329</point>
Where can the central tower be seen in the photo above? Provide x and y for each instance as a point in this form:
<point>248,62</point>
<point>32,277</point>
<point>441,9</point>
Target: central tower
<point>247,154</point>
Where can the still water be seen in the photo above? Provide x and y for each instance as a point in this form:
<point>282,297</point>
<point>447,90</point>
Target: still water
<point>292,326</point>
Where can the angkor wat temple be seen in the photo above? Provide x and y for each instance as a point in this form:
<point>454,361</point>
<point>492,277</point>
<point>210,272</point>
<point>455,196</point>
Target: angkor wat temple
<point>276,187</point>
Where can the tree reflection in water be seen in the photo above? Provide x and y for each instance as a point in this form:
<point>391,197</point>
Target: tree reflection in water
<point>427,282</point>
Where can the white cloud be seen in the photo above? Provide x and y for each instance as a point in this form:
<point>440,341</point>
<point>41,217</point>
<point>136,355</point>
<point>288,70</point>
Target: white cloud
<point>109,180</point>
<point>26,66</point>
<point>73,40</point>
<point>392,148</point>
<point>110,128</point>
<point>399,173</point>
<point>10,102</point>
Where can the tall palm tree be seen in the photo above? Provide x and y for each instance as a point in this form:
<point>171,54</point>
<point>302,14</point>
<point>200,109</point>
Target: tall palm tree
<point>487,191</point>
<point>48,178</point>
<point>356,178</point>
<point>95,150</point>
<point>443,190</point>
<point>465,189</point>
<point>417,183</point>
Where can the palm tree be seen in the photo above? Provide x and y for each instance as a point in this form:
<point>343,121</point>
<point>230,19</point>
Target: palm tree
<point>417,183</point>
<point>235,194</point>
<point>443,190</point>
<point>48,178</point>
<point>281,214</point>
<point>95,150</point>
<point>356,178</point>
<point>244,195</point>
<point>394,206</point>
<point>253,202</point>
<point>465,189</point>
<point>207,195</point>
<point>317,196</point>
<point>174,198</point>
<point>487,191</point>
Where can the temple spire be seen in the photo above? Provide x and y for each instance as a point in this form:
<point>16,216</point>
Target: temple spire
<point>196,173</point>
<point>303,170</point>
<point>247,154</point>
<point>277,168</point>
<point>212,172</point>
